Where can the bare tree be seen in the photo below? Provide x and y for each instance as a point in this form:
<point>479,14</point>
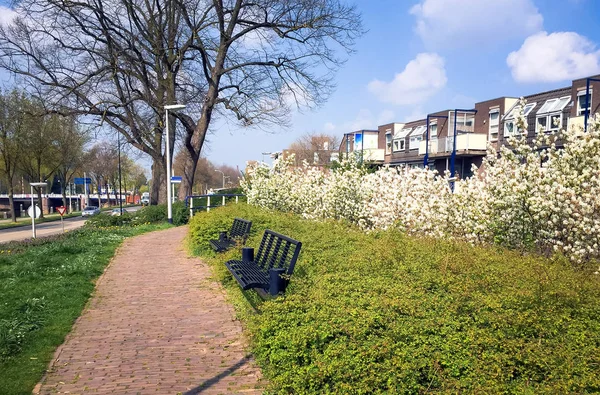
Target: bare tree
<point>315,148</point>
<point>12,124</point>
<point>38,143</point>
<point>122,61</point>
<point>102,160</point>
<point>70,144</point>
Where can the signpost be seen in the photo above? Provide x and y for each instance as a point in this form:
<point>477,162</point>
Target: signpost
<point>82,180</point>
<point>62,210</point>
<point>175,180</point>
<point>34,209</point>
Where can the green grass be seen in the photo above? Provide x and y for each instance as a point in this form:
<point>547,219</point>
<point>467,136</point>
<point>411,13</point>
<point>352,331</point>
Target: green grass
<point>44,285</point>
<point>388,313</point>
<point>26,221</point>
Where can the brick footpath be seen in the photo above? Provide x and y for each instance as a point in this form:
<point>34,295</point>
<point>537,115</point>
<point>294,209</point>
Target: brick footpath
<point>156,324</point>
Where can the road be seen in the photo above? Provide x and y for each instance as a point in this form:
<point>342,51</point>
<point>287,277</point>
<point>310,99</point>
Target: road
<point>47,228</point>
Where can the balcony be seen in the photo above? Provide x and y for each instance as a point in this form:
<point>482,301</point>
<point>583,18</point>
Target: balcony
<point>371,155</point>
<point>464,142</point>
<point>576,122</point>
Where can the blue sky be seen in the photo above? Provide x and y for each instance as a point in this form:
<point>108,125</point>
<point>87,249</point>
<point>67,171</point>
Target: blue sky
<point>459,49</point>
<point>422,56</point>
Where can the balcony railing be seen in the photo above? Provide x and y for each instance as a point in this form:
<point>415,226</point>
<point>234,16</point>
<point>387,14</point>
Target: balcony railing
<point>463,142</point>
<point>371,154</point>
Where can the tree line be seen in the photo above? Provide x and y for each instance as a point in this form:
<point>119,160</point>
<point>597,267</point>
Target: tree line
<point>122,61</point>
<point>37,146</point>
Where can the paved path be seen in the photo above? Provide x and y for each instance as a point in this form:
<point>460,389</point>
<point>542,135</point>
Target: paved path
<point>156,325</point>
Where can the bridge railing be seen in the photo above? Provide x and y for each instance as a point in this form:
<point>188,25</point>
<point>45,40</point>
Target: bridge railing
<point>189,201</point>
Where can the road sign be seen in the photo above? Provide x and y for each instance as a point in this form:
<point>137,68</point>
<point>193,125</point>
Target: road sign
<point>61,210</point>
<point>82,181</point>
<point>176,180</point>
<point>38,212</point>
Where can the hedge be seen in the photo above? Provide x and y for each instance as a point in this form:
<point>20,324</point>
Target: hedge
<point>387,313</point>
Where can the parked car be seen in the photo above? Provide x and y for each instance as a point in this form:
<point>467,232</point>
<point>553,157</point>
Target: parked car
<point>145,199</point>
<point>90,211</point>
<point>118,211</point>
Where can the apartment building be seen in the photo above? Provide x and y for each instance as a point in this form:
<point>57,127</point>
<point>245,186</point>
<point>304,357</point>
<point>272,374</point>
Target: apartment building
<point>363,145</point>
<point>455,139</point>
<point>316,150</point>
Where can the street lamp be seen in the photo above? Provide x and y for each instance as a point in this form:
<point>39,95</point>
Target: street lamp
<point>34,184</point>
<point>223,177</point>
<point>172,107</point>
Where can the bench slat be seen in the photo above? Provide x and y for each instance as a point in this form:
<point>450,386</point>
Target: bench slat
<point>239,229</point>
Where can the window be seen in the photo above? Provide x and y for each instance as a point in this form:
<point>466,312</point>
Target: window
<point>388,142</point>
<point>433,132</point>
<point>549,116</point>
<point>400,139</point>
<point>584,103</point>
<point>416,136</point>
<point>494,122</point>
<point>315,158</point>
<point>399,145</point>
<point>509,119</point>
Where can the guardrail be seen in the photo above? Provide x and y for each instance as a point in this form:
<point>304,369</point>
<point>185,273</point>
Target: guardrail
<point>189,201</point>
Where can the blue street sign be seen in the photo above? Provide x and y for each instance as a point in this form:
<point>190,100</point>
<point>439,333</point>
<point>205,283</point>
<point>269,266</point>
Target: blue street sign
<point>82,181</point>
<point>176,179</point>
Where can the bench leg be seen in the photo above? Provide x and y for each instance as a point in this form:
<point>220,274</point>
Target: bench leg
<point>276,282</point>
<point>247,254</point>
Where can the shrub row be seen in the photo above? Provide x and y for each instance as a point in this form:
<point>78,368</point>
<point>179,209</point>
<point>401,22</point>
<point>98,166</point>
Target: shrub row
<point>146,215</point>
<point>387,313</point>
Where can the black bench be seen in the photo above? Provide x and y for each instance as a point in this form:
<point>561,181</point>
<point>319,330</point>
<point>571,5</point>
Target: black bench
<point>271,269</point>
<point>240,229</point>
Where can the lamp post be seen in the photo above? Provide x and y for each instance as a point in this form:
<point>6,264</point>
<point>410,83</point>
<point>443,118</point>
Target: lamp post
<point>223,177</point>
<point>172,107</point>
<point>34,184</point>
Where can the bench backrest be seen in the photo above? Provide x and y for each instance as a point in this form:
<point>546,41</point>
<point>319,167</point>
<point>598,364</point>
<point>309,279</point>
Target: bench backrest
<point>240,228</point>
<point>277,251</point>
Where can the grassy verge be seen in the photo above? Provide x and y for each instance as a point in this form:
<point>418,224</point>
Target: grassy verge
<point>26,221</point>
<point>44,285</point>
<point>387,313</point>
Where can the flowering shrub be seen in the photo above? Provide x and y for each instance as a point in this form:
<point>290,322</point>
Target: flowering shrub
<point>530,194</point>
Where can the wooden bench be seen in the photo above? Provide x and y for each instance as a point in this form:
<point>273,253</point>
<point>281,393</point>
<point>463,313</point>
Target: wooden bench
<point>240,229</point>
<point>271,269</point>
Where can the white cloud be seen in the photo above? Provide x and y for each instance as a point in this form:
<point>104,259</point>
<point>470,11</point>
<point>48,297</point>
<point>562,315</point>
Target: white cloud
<point>329,126</point>
<point>365,119</point>
<point>422,77</point>
<point>554,57</point>
<point>461,23</point>
<point>416,114</point>
<point>6,15</point>
<point>386,116</point>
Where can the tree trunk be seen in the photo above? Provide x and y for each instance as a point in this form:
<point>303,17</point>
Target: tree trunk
<point>189,171</point>
<point>40,200</point>
<point>11,202</point>
<point>64,196</point>
<point>158,191</point>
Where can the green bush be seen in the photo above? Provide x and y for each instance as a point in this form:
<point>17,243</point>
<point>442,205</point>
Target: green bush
<point>105,220</point>
<point>151,214</point>
<point>181,214</point>
<point>387,313</point>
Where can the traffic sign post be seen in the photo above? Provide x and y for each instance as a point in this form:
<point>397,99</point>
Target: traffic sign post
<point>62,210</point>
